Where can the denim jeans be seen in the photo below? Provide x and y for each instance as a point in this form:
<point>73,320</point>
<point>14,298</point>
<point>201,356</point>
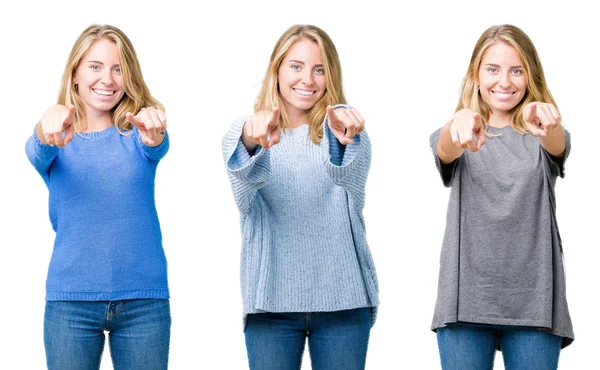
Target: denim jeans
<point>138,331</point>
<point>466,346</point>
<point>336,340</point>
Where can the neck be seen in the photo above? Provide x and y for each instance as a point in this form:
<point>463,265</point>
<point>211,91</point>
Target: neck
<point>98,122</point>
<point>296,117</point>
<point>499,119</point>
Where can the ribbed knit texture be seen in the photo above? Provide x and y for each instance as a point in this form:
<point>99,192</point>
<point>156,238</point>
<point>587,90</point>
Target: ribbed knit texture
<point>304,247</point>
<point>108,242</point>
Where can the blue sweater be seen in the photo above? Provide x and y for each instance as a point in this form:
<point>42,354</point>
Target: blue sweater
<point>108,242</point>
<point>304,247</point>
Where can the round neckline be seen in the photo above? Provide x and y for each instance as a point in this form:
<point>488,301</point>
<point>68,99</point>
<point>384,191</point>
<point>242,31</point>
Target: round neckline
<point>296,131</point>
<point>99,134</point>
<point>500,128</point>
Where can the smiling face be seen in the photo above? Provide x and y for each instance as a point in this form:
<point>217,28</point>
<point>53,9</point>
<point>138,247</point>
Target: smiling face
<point>301,78</point>
<point>99,79</point>
<point>502,80</point>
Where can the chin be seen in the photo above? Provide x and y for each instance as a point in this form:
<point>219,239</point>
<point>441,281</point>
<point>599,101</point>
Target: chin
<point>505,107</point>
<point>305,106</point>
<point>105,108</point>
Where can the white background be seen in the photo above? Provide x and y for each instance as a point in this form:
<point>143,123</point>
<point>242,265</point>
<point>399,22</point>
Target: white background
<point>402,66</point>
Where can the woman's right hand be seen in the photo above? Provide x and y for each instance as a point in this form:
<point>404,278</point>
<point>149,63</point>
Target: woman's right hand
<point>261,129</point>
<point>465,125</point>
<point>56,120</point>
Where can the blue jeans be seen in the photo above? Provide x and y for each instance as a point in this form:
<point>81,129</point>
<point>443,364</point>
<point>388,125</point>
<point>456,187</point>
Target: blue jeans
<point>466,346</point>
<point>138,331</point>
<point>336,340</point>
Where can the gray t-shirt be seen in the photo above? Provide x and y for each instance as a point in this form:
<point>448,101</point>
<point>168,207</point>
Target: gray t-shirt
<point>501,261</point>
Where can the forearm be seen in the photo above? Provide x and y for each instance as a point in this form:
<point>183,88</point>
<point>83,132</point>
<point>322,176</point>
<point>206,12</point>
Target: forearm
<point>247,174</point>
<point>446,150</point>
<point>155,152</point>
<point>40,155</point>
<point>158,140</point>
<point>555,142</point>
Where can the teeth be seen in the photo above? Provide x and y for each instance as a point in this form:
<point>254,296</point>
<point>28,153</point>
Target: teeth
<point>504,95</point>
<point>103,92</point>
<point>304,92</point>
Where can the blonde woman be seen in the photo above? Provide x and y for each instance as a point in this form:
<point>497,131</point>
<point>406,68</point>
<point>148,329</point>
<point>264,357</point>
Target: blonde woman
<point>298,169</point>
<point>502,280</point>
<point>97,151</point>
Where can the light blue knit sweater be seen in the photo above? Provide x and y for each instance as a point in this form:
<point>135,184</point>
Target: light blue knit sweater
<point>304,247</point>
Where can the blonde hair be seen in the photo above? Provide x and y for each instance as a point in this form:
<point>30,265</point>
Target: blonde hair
<point>136,96</point>
<point>270,97</point>
<point>537,89</point>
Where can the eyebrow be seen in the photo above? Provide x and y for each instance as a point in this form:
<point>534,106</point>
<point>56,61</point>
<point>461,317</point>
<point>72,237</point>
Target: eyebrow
<point>496,65</point>
<point>99,62</point>
<point>300,62</point>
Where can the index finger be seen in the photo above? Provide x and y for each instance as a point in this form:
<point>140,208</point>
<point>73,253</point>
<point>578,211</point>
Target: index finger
<point>275,136</point>
<point>331,114</point>
<point>70,114</point>
<point>480,138</point>
<point>530,111</point>
<point>466,138</point>
<point>275,116</point>
<point>134,120</point>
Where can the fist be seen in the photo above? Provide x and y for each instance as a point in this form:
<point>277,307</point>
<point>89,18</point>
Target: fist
<point>151,124</point>
<point>57,120</point>
<point>541,118</point>
<point>345,124</point>
<point>262,129</point>
<point>465,127</point>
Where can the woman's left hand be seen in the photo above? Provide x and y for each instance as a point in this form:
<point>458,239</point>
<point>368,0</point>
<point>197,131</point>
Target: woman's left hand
<point>345,123</point>
<point>151,123</point>
<point>541,118</point>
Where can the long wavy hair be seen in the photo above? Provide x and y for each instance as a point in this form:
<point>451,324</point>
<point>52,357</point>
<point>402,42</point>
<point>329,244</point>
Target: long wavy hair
<point>270,96</point>
<point>537,89</point>
<point>136,96</point>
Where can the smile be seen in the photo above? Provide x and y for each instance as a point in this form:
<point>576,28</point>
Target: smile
<point>503,95</point>
<point>304,92</point>
<point>104,92</point>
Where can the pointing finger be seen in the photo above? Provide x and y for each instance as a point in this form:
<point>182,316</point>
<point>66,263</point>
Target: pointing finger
<point>332,115</point>
<point>134,121</point>
<point>70,114</point>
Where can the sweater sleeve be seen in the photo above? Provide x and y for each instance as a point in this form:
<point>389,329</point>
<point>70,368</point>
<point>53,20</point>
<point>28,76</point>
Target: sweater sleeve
<point>153,154</point>
<point>40,155</point>
<point>347,165</point>
<point>446,170</point>
<point>246,173</point>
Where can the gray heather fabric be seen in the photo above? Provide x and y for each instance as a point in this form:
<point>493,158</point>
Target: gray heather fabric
<point>501,261</point>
